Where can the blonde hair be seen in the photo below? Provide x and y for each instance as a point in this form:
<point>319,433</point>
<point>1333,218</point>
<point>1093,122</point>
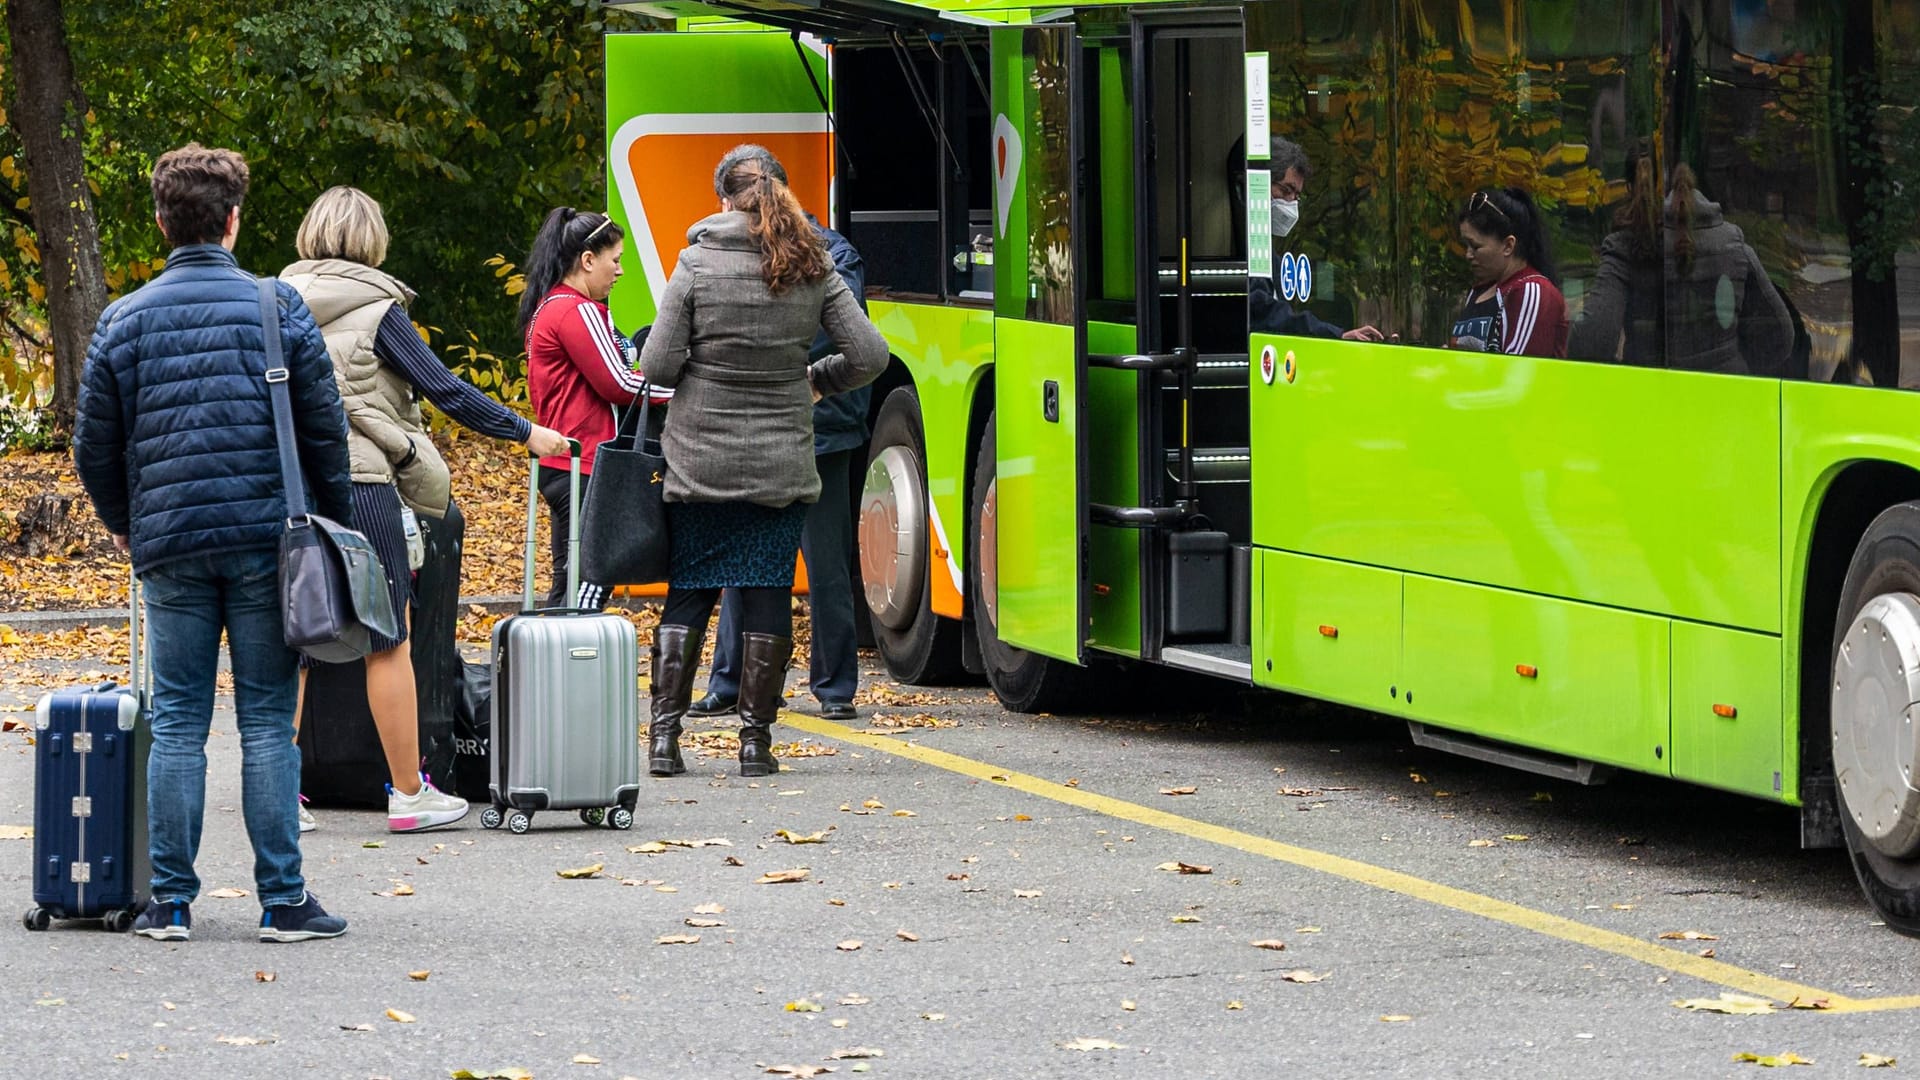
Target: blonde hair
<point>343,223</point>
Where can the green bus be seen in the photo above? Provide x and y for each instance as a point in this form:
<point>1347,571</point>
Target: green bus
<point>1123,426</point>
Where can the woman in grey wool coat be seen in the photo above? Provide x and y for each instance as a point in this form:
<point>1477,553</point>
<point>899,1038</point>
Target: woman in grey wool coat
<point>753,287</point>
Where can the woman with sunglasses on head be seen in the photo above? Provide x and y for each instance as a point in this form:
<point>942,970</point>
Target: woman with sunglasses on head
<point>1514,305</point>
<point>579,368</point>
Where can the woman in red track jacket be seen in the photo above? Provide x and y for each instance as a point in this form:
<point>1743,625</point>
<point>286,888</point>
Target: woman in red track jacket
<point>579,368</point>
<point>1514,306</point>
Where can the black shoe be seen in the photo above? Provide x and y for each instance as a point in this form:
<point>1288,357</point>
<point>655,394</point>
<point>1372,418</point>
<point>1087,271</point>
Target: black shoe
<point>165,920</point>
<point>304,921</point>
<point>715,705</point>
<point>763,677</point>
<point>838,710</point>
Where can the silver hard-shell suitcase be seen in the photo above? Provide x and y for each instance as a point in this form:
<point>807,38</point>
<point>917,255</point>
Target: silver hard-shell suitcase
<point>566,701</point>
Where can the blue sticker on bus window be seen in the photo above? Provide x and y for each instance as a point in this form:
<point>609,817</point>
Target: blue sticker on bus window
<point>1303,277</point>
<point>1286,276</point>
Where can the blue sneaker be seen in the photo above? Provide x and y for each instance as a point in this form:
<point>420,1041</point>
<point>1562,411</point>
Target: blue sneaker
<point>165,920</point>
<point>303,921</point>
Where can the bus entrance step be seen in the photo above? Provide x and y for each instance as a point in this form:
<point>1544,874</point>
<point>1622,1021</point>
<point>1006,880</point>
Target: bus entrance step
<point>1578,770</point>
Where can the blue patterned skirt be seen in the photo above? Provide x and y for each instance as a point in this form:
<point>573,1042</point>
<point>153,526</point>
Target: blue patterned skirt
<point>733,545</point>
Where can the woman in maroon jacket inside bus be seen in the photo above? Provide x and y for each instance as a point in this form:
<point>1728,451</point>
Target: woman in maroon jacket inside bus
<point>579,368</point>
<point>1514,306</point>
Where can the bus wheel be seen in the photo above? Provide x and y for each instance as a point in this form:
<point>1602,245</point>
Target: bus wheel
<point>896,574</point>
<point>1024,682</point>
<point>1876,699</point>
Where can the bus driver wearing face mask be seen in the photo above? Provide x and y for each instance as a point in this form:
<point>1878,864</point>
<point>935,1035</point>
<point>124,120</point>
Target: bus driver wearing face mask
<point>1267,312</point>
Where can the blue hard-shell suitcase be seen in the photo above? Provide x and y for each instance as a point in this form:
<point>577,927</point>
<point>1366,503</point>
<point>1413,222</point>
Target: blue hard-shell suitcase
<point>90,800</point>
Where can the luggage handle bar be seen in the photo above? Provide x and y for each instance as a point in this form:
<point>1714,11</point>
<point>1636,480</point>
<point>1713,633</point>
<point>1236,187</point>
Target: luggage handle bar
<point>573,530</point>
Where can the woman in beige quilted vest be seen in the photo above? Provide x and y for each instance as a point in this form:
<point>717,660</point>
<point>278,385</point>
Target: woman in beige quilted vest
<point>383,368</point>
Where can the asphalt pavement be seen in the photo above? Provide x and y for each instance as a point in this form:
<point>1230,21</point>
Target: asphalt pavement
<point>1001,896</point>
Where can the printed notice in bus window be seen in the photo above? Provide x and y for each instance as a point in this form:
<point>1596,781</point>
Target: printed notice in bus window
<point>1259,223</point>
<point>1259,128</point>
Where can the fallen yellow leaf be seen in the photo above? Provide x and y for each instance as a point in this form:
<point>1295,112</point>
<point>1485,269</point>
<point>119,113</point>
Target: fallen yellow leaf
<point>585,1059</point>
<point>1178,790</point>
<point>399,1017</point>
<point>1687,935</point>
<point>906,935</point>
<point>228,894</point>
<point>1773,1060</point>
<point>1876,1061</point>
<point>1270,943</point>
<point>651,847</point>
<point>1234,1006</point>
<point>582,871</point>
<point>803,1005</point>
<point>1302,976</point>
<point>1085,1043</point>
<point>808,838</point>
<point>1396,1018</point>
<point>780,877</point>
<point>678,939</point>
<point>419,976</point>
<point>1731,1004</point>
<point>849,945</point>
<point>856,1052</point>
<point>264,976</point>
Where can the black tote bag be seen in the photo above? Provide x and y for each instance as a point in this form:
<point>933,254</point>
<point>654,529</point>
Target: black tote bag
<point>623,526</point>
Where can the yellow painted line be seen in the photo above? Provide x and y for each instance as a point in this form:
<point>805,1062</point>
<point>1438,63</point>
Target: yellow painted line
<point>1378,877</point>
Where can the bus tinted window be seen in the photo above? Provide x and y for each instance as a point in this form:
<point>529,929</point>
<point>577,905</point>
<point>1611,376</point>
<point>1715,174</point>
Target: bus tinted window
<point>1546,99</point>
<point>1329,70</point>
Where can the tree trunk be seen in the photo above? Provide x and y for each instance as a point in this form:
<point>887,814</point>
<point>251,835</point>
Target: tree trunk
<point>49,113</point>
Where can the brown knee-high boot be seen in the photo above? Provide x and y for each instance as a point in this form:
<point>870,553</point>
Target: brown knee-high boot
<point>763,677</point>
<point>675,657</point>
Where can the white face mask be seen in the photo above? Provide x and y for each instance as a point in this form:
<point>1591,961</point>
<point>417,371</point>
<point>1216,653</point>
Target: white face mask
<point>1286,214</point>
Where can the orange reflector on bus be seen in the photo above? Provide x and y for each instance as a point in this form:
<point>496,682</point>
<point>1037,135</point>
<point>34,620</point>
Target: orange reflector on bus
<point>1329,631</point>
<point>1101,590</point>
<point>1526,671</point>
<point>1725,712</point>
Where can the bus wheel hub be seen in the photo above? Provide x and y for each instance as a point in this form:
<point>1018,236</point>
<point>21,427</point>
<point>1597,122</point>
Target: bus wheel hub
<point>893,532</point>
<point>1876,695</point>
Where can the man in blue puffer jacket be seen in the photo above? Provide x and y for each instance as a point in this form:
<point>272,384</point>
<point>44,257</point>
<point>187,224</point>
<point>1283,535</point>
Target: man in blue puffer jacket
<point>175,444</point>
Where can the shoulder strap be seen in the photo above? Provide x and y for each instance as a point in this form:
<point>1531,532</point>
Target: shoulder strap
<point>276,375</point>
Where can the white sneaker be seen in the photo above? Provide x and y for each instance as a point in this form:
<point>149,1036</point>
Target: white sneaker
<point>428,808</point>
<point>307,824</point>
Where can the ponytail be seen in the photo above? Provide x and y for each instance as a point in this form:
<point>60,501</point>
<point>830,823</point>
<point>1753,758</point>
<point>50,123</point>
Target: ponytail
<point>1680,214</point>
<point>1640,217</point>
<point>791,252</point>
<point>564,236</point>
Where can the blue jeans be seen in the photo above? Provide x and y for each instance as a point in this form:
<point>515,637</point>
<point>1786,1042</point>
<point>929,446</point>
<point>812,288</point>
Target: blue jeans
<point>189,602</point>
<point>827,545</point>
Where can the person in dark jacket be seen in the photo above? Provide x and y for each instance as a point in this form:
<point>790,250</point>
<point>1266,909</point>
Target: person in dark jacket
<point>751,292</point>
<point>175,444</point>
<point>1267,311</point>
<point>839,430</point>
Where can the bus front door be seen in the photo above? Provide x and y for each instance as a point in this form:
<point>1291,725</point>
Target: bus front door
<point>1031,500</point>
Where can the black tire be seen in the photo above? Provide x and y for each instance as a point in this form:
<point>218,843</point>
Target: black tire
<point>1024,682</point>
<point>519,821</point>
<point>620,818</point>
<point>1887,561</point>
<point>490,818</point>
<point>37,918</point>
<point>926,652</point>
<point>118,921</point>
<point>594,815</point>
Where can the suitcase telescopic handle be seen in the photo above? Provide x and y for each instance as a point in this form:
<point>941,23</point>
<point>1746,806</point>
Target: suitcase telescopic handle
<point>573,523</point>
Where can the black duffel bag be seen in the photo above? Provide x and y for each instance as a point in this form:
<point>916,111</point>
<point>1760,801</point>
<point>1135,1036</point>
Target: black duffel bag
<point>623,524</point>
<point>341,760</point>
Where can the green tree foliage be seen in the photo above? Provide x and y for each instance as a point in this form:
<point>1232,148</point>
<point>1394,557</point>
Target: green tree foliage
<point>466,119</point>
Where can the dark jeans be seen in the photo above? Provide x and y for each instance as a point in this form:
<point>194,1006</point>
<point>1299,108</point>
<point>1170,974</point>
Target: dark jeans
<point>189,602</point>
<point>827,544</point>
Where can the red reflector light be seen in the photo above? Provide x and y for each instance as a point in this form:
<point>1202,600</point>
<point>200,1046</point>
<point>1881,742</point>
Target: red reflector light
<point>1526,671</point>
<point>1101,590</point>
<point>1725,712</point>
<point>1329,631</point>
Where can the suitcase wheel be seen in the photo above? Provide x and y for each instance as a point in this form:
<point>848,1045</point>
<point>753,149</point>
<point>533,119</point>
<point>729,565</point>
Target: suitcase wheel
<point>490,818</point>
<point>593,815</point>
<point>519,821</point>
<point>117,921</point>
<point>620,818</point>
<point>37,918</point>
